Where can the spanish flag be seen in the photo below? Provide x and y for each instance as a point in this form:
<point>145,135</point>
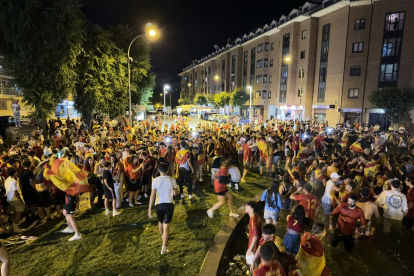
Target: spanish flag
<point>265,152</point>
<point>311,258</point>
<point>66,176</point>
<point>181,157</point>
<point>201,158</point>
<point>319,175</point>
<point>356,147</point>
<point>371,169</point>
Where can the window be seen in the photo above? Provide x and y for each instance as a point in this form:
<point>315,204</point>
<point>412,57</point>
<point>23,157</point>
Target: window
<point>266,46</point>
<point>270,79</point>
<point>219,66</point>
<point>358,47</point>
<point>321,95</point>
<point>260,48</point>
<point>391,47</point>
<point>215,68</point>
<point>301,73</point>
<point>266,62</point>
<point>195,75</point>
<point>302,54</point>
<point>322,72</point>
<point>252,61</point>
<point>286,40</point>
<point>233,64</point>
<point>251,79</point>
<point>356,70</point>
<point>304,34</point>
<point>272,46</point>
<point>195,84</point>
<point>264,94</point>
<point>269,94</point>
<point>3,105</point>
<point>260,63</point>
<point>271,63</point>
<point>394,21</point>
<point>388,72</point>
<point>264,78</point>
<point>258,94</point>
<point>259,79</point>
<point>359,24</point>
<point>353,93</point>
<point>300,92</point>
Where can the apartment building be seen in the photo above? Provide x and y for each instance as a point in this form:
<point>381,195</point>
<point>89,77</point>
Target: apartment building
<point>321,61</point>
<point>8,93</point>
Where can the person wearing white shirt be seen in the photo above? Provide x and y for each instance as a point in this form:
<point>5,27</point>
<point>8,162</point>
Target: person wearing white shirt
<point>47,151</point>
<point>235,176</point>
<point>14,198</point>
<point>16,113</point>
<point>395,207</point>
<point>163,190</point>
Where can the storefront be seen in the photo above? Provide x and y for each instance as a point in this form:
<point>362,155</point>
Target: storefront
<point>377,116</point>
<point>291,112</point>
<point>352,115</point>
<point>320,113</point>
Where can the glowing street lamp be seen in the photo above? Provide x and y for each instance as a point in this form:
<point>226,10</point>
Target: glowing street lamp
<point>150,32</point>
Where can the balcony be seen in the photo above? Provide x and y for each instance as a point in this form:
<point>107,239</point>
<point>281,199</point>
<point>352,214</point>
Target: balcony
<point>4,72</point>
<point>10,91</point>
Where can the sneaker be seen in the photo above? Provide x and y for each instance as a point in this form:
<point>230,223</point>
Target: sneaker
<point>131,205</point>
<point>138,203</point>
<point>68,230</point>
<point>201,180</point>
<point>145,195</point>
<point>164,251</point>
<point>234,215</point>
<point>190,196</point>
<point>210,213</point>
<point>139,197</point>
<point>115,213</point>
<point>229,185</point>
<point>76,237</point>
<point>182,195</point>
<point>236,186</point>
<point>107,212</point>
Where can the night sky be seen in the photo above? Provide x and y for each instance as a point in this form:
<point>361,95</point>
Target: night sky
<point>189,28</point>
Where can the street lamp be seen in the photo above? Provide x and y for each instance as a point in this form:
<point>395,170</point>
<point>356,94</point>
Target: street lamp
<point>300,89</point>
<point>150,31</point>
<point>165,88</point>
<point>250,109</point>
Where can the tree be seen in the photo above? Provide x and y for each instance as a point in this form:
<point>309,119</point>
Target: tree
<point>394,101</point>
<point>222,99</point>
<point>185,99</point>
<point>40,41</point>
<point>102,75</point>
<point>239,98</point>
<point>200,99</point>
<point>210,99</point>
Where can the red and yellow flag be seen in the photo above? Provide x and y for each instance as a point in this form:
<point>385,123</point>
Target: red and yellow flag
<point>356,147</point>
<point>311,258</point>
<point>66,176</point>
<point>181,157</point>
<point>371,169</point>
<point>265,152</point>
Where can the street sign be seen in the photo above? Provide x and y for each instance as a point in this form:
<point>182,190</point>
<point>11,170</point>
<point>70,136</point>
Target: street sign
<point>332,106</point>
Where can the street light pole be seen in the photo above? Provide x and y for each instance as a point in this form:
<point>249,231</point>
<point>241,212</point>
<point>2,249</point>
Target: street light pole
<point>250,108</point>
<point>165,87</point>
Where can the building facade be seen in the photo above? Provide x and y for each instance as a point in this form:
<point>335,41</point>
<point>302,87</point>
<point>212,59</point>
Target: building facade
<point>321,61</point>
<point>8,93</point>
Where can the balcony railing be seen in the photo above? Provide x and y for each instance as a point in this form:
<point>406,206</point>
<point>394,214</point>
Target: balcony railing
<point>4,72</point>
<point>10,91</point>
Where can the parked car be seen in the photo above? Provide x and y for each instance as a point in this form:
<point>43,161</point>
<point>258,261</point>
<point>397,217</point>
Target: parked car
<point>185,113</point>
<point>206,116</point>
<point>213,117</point>
<point>224,118</point>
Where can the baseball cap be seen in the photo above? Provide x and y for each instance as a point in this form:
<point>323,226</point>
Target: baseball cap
<point>334,175</point>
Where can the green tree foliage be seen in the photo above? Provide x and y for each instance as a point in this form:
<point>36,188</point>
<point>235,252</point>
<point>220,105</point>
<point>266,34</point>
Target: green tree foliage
<point>239,98</point>
<point>395,102</point>
<point>200,99</point>
<point>185,99</point>
<point>210,99</point>
<point>222,99</point>
<point>40,41</point>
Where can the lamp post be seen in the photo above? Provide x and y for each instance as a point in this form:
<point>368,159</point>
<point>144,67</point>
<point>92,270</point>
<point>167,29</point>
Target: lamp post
<point>165,88</point>
<point>301,91</point>
<point>250,108</point>
<point>151,32</point>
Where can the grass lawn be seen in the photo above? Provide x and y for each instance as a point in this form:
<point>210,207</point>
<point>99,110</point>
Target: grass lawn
<point>130,243</point>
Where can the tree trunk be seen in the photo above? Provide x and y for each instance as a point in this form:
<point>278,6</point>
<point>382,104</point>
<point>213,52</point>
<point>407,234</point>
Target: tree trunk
<point>88,117</point>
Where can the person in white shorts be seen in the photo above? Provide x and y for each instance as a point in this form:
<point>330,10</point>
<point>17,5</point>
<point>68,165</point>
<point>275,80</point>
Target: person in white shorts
<point>14,198</point>
<point>235,176</point>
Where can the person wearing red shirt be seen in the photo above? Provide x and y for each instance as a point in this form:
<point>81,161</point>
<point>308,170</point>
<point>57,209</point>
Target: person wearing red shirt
<point>255,230</point>
<point>296,223</point>
<point>318,143</point>
<point>408,220</point>
<point>269,265</point>
<point>247,158</point>
<point>134,170</point>
<point>308,201</point>
<point>349,214</point>
<point>220,188</point>
<point>349,188</point>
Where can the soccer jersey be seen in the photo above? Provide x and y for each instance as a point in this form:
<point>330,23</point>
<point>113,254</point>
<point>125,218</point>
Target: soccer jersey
<point>255,230</point>
<point>275,269</point>
<point>310,203</point>
<point>247,153</point>
<point>295,224</point>
<point>348,218</point>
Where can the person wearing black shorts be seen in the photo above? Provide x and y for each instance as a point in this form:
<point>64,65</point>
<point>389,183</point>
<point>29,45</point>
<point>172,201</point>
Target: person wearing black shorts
<point>109,192</point>
<point>68,211</point>
<point>26,179</point>
<point>164,188</point>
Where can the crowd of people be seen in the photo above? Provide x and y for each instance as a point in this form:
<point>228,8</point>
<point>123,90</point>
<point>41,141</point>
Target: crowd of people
<point>328,177</point>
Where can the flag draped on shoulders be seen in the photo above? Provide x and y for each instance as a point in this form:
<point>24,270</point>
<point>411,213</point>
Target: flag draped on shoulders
<point>66,176</point>
<point>181,156</point>
<point>371,169</point>
<point>265,152</point>
<point>356,147</point>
